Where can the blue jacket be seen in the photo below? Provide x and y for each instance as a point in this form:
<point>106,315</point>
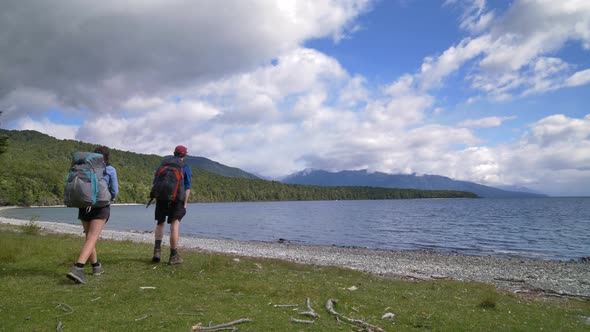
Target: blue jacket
<point>113,181</point>
<point>188,176</point>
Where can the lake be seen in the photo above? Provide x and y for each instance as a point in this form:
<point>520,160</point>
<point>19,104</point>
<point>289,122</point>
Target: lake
<point>543,228</point>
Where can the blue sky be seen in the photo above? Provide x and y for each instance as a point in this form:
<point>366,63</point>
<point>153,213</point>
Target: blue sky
<point>493,92</point>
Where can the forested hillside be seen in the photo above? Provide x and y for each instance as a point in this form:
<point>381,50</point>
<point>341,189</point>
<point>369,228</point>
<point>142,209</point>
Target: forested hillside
<point>217,168</point>
<point>34,168</point>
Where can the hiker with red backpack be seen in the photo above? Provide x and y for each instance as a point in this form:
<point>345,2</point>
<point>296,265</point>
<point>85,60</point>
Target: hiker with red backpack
<point>91,186</point>
<point>171,189</point>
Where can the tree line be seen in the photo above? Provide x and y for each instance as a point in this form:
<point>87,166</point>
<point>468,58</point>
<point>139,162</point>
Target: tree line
<point>34,167</point>
<point>3,141</point>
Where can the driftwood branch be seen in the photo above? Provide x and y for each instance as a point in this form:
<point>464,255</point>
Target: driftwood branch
<point>510,279</point>
<point>330,308</point>
<point>65,307</point>
<point>220,327</point>
<point>310,312</point>
<point>302,321</point>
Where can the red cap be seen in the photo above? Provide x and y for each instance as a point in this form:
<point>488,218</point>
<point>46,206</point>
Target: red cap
<point>181,149</point>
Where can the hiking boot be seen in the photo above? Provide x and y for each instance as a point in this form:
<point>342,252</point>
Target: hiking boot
<point>156,258</point>
<point>77,275</point>
<point>97,270</point>
<point>176,259</point>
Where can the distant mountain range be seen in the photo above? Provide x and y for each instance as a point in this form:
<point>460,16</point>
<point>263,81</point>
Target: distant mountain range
<point>363,178</point>
<point>378,179</point>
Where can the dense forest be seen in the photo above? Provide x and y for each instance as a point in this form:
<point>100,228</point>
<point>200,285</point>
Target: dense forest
<point>3,141</point>
<point>34,168</point>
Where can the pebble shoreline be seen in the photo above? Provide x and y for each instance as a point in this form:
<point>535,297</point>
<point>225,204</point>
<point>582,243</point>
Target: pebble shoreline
<point>518,275</point>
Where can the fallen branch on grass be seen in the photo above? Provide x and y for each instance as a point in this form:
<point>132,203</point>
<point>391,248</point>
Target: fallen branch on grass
<point>330,308</point>
<point>142,317</point>
<point>65,307</point>
<point>310,312</point>
<point>225,326</point>
<point>302,321</point>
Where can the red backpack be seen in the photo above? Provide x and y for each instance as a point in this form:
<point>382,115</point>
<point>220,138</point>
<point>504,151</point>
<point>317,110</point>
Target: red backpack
<point>169,181</point>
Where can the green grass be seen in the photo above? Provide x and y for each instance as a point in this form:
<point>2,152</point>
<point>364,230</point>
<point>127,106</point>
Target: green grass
<point>212,288</point>
<point>32,228</point>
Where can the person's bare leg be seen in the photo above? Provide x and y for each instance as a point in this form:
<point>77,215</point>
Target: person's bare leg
<point>158,236</point>
<point>93,257</point>
<point>174,226</point>
<point>174,257</point>
<point>93,229</point>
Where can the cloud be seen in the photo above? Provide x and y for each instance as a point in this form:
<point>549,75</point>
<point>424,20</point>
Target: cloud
<point>475,18</point>
<point>553,154</point>
<point>28,102</point>
<point>488,122</point>
<point>559,129</point>
<point>47,127</point>
<point>435,69</point>
<point>293,72</point>
<point>136,103</point>
<point>151,131</point>
<point>307,109</point>
<point>280,106</point>
<point>354,93</point>
<point>579,78</point>
<point>510,56</point>
<point>98,55</point>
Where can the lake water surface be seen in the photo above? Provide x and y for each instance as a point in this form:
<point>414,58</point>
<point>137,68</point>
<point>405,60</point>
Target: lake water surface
<point>545,228</point>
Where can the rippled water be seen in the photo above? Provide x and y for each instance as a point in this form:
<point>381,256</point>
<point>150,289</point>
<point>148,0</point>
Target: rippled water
<point>546,228</point>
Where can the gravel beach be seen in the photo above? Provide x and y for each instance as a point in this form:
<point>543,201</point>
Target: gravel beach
<point>518,275</point>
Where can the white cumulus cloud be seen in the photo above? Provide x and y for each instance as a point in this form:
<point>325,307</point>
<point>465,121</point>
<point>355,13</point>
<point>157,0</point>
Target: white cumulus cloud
<point>488,122</point>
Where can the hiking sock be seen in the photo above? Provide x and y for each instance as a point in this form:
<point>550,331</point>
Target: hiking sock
<point>173,252</point>
<point>158,244</point>
<point>96,264</point>
<point>79,265</point>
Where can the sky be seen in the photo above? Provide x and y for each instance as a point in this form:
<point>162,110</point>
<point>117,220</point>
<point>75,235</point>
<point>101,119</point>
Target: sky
<point>493,92</point>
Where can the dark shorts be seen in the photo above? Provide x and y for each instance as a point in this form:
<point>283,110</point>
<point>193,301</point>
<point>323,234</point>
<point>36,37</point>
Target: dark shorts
<point>95,213</point>
<point>171,210</point>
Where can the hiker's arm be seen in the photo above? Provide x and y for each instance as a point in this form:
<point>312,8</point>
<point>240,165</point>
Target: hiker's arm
<point>114,185</point>
<point>187,193</point>
<point>188,179</point>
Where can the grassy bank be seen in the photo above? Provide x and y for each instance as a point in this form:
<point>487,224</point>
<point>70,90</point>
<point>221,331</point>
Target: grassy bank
<point>215,289</point>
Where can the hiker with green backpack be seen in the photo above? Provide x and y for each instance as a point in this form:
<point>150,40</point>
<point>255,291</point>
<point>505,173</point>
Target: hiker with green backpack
<point>91,186</point>
<point>171,189</point>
